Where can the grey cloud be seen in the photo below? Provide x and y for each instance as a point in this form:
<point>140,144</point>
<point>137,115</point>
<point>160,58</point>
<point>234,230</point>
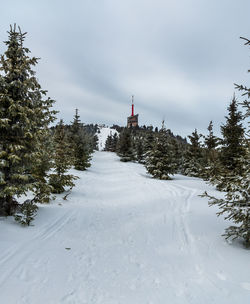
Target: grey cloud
<point>179,58</point>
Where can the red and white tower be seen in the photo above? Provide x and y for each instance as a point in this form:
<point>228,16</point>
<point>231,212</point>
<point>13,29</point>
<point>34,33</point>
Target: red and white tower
<point>133,119</point>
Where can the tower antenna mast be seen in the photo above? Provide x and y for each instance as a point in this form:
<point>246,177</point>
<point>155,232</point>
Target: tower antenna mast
<point>132,105</point>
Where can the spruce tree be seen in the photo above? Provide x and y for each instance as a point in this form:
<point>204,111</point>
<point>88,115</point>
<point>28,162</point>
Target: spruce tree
<point>22,114</point>
<point>139,150</point>
<point>42,166</point>
<point>159,161</point>
<point>177,157</point>
<point>59,179</point>
<point>111,142</point>
<point>114,142</point>
<point>149,141</point>
<point>94,143</point>
<point>125,146</point>
<point>108,143</point>
<point>192,162</point>
<point>235,205</point>
<point>212,163</point>
<point>148,144</point>
<point>26,213</point>
<point>233,137</point>
<point>80,145</point>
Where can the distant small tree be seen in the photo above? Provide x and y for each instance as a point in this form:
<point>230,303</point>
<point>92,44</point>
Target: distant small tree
<point>125,146</point>
<point>62,163</point>
<point>26,213</point>
<point>159,161</point>
<point>192,162</point>
<point>212,163</point>
<point>81,150</point>
<point>108,143</point>
<point>114,142</point>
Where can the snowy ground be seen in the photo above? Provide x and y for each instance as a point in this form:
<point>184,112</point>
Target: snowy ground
<point>123,237</point>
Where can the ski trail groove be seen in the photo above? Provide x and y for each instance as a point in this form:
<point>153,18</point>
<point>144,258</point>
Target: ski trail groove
<point>122,237</point>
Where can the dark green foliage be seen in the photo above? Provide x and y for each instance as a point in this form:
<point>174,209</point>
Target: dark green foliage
<point>82,155</point>
<point>108,143</point>
<point>59,179</point>
<point>232,149</point>
<point>211,141</point>
<point>236,203</point>
<point>81,145</point>
<point>159,160</point>
<point>141,141</point>
<point>178,149</point>
<point>125,146</point>
<point>94,143</point>
<point>235,172</point>
<point>114,142</point>
<point>193,158</point>
<point>139,150</point>
<point>111,143</point>
<point>233,136</point>
<point>149,141</point>
<point>23,115</point>
<point>26,213</point>
<point>211,157</point>
<point>41,167</point>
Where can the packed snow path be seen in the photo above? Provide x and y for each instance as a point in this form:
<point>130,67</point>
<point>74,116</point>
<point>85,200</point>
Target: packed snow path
<point>123,237</point>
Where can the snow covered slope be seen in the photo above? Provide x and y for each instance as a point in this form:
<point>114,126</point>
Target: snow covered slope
<point>102,136</point>
<point>123,237</point>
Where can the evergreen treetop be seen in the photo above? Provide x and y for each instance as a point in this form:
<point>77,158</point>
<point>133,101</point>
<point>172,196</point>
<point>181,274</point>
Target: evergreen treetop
<point>233,137</point>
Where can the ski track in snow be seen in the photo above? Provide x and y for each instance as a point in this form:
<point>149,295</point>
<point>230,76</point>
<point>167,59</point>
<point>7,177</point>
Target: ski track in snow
<point>123,237</point>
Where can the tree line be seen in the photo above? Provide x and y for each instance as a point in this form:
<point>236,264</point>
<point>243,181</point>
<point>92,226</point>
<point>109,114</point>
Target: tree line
<point>34,157</point>
<point>224,162</point>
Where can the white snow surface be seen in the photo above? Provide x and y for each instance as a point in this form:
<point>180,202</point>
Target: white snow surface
<point>123,237</point>
<point>102,136</point>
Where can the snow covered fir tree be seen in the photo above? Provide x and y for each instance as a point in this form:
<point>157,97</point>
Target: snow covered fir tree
<point>192,160</point>
<point>235,172</point>
<point>59,179</point>
<point>211,155</point>
<point>233,136</point>
<point>125,146</point>
<point>159,160</point>
<point>81,148</point>
<point>28,152</point>
<point>24,116</point>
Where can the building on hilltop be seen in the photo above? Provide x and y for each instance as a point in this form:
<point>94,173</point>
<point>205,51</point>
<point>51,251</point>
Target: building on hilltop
<point>133,119</point>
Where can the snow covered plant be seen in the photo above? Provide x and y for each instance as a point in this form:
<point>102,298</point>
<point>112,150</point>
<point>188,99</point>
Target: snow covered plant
<point>236,205</point>
<point>25,113</point>
<point>26,213</point>
<point>160,161</point>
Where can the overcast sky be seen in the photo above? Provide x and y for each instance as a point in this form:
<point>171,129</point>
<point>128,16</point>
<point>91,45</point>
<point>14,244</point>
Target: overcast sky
<point>179,58</point>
